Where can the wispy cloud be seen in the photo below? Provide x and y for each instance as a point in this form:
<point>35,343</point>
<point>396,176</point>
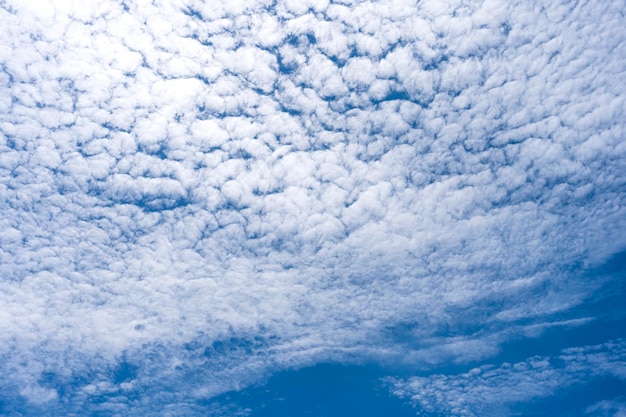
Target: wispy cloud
<point>492,390</point>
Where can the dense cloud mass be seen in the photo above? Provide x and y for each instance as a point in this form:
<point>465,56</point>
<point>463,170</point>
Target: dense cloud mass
<point>199,194</point>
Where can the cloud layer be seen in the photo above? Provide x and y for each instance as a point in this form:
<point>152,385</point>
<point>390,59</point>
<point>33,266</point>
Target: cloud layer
<point>490,390</point>
<point>200,194</point>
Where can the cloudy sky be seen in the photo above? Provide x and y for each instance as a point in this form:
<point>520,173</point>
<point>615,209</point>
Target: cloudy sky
<point>312,208</point>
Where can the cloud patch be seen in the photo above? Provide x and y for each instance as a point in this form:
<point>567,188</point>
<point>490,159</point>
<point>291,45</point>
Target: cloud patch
<point>494,390</point>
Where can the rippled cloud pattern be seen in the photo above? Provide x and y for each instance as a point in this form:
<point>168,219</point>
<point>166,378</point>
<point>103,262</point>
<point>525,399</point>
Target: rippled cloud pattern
<point>195,196</point>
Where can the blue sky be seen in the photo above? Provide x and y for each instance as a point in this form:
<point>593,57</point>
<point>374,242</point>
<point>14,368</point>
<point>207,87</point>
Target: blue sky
<point>312,208</point>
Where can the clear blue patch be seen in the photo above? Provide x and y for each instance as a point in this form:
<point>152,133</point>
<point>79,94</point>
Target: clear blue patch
<point>325,390</point>
<point>574,401</point>
<point>124,372</point>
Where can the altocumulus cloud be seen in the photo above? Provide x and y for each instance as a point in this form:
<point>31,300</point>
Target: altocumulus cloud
<point>197,194</point>
<point>488,390</point>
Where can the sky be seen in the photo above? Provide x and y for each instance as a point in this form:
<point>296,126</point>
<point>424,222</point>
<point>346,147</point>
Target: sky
<point>312,208</point>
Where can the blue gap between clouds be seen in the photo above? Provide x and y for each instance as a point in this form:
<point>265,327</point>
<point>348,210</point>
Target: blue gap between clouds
<point>324,390</point>
<point>573,401</point>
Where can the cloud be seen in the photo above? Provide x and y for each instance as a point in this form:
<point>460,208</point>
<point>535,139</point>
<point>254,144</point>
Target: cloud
<point>492,390</point>
<point>298,179</point>
<point>615,408</point>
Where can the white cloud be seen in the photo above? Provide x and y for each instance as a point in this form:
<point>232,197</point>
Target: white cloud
<point>175,173</point>
<point>490,390</point>
<point>613,408</point>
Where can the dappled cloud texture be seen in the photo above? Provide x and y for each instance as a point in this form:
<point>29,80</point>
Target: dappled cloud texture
<point>194,195</point>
